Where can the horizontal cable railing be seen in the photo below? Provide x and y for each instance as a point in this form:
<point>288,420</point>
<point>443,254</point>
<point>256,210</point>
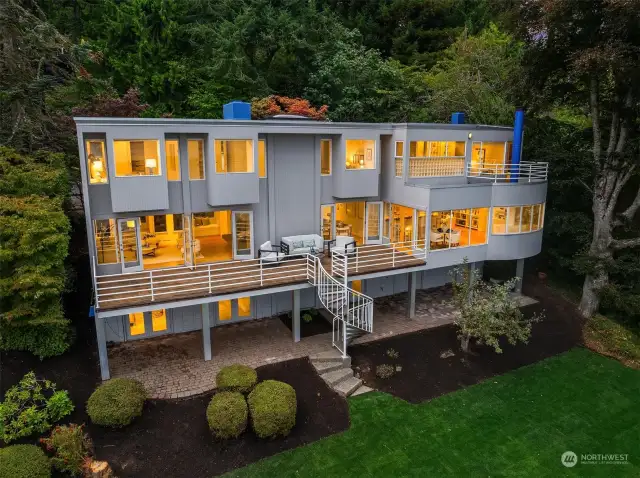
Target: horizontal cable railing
<point>526,171</point>
<point>422,167</point>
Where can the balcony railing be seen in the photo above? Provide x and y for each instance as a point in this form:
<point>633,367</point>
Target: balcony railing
<point>177,283</point>
<point>526,171</point>
<point>422,167</point>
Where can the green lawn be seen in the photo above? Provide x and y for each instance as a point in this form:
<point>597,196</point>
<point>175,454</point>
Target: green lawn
<point>517,424</point>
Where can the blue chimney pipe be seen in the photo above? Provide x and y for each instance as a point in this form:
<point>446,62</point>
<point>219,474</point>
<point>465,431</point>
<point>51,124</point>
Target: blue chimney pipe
<point>457,118</point>
<point>516,150</point>
<point>236,110</point>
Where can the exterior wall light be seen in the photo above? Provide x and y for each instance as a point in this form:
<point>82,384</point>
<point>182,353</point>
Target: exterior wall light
<point>470,135</point>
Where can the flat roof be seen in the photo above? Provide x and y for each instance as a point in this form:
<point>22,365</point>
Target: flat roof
<point>279,123</point>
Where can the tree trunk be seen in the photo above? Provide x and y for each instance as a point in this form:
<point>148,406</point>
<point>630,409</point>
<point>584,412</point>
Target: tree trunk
<point>464,343</point>
<point>590,300</point>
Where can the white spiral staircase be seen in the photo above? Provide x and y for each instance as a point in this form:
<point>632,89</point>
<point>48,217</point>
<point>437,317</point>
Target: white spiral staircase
<point>352,311</point>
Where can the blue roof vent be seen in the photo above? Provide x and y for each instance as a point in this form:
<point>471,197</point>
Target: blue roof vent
<point>237,110</point>
<point>457,118</point>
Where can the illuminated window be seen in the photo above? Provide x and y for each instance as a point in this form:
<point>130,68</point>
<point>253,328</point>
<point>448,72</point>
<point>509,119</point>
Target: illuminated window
<point>327,221</point>
<point>399,157</point>
<point>195,149</point>
<point>224,310</point>
<point>137,157</point>
<point>234,156</point>
<point>173,159</point>
<point>488,157</point>
<point>436,158</point>
<point>158,320</point>
<point>136,323</point>
<point>360,154</point>
<point>386,226</point>
<point>244,307</point>
<point>459,228</point>
<point>96,162</point>
<point>262,158</point>
<point>325,157</point>
<point>357,285</point>
<point>106,238</point>
<point>517,219</point>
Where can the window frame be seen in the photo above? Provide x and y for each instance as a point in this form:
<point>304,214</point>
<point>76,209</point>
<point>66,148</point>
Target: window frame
<point>469,211</point>
<point>115,241</point>
<point>253,157</point>
<point>373,154</point>
<point>159,167</point>
<point>520,231</point>
<point>166,158</point>
<point>105,163</point>
<point>204,160</point>
<point>330,141</point>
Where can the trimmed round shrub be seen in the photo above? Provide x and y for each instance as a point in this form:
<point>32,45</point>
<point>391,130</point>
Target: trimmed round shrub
<point>116,403</point>
<point>227,414</point>
<point>272,406</point>
<point>237,378</point>
<point>24,461</point>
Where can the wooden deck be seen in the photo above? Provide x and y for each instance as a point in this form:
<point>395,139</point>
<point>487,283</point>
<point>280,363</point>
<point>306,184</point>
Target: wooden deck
<point>160,286</point>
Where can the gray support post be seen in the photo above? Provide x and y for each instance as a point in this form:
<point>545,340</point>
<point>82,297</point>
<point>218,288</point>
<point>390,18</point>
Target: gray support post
<point>206,332</point>
<point>295,313</point>
<point>519,275</point>
<point>102,348</point>
<point>411,309</point>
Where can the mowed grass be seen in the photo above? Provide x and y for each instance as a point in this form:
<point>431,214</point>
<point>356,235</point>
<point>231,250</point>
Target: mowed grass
<point>517,424</point>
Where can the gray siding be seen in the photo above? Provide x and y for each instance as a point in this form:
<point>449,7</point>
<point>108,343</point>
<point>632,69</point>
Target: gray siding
<point>514,246</point>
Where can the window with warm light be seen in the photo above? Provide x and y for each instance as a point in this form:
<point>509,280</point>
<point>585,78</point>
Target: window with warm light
<point>172,153</point>
<point>357,285</point>
<point>325,157</point>
<point>399,157</point>
<point>137,157</point>
<point>136,323</point>
<point>458,228</point>
<point>489,157</point>
<point>224,309</point>
<point>158,320</point>
<point>436,158</point>
<point>360,153</point>
<point>106,238</point>
<point>96,162</point>
<point>195,150</point>
<point>517,219</point>
<point>244,307</point>
<point>233,156</point>
<point>262,158</point>
<point>327,221</point>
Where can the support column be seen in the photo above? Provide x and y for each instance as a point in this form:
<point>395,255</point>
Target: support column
<point>411,308</point>
<point>519,275</point>
<point>295,315</point>
<point>102,348</point>
<point>206,332</point>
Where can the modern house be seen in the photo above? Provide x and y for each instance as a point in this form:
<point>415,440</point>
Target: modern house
<point>195,224</point>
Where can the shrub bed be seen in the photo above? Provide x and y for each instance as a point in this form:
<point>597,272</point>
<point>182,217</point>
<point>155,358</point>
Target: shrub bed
<point>71,447</point>
<point>24,461</point>
<point>116,403</point>
<point>236,378</point>
<point>227,414</point>
<point>272,406</point>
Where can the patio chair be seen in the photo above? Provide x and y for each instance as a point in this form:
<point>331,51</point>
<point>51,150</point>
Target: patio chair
<point>270,255</point>
<point>344,244</point>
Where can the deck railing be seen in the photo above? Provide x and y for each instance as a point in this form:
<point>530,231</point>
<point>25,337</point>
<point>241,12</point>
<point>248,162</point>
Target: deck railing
<point>526,171</point>
<point>234,276</point>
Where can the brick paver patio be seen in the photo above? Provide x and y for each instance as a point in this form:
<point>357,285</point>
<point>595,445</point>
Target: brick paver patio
<point>173,366</point>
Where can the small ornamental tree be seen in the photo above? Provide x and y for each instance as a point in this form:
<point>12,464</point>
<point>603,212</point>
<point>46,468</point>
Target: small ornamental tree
<point>487,311</point>
<point>275,105</point>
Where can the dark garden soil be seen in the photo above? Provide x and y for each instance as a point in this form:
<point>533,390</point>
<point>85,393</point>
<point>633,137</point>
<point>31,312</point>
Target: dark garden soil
<point>427,372</point>
<point>318,325</point>
<point>172,438</point>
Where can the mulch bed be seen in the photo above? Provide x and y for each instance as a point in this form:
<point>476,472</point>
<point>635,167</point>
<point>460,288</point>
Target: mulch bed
<point>172,437</point>
<point>425,375</point>
<point>318,325</point>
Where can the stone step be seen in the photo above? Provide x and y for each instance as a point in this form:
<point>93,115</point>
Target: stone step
<point>361,389</point>
<point>336,376</point>
<point>324,367</point>
<point>348,386</point>
<point>330,356</point>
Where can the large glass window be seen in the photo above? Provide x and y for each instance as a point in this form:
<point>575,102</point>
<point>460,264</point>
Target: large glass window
<point>386,226</point>
<point>436,158</point>
<point>401,223</point>
<point>350,220</point>
<point>233,156</point>
<point>212,236</point>
<point>106,237</point>
<point>517,219</point>
<point>360,153</point>
<point>325,157</point>
<point>173,159</point>
<point>137,157</point>
<point>489,157</point>
<point>262,158</point>
<point>96,162</point>
<point>195,149</point>
<point>458,228</point>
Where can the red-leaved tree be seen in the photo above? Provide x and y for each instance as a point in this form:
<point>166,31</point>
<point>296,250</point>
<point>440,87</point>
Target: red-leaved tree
<point>274,105</point>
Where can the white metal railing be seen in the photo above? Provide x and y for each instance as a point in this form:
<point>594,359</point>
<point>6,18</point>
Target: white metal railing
<point>422,167</point>
<point>391,256</point>
<point>526,171</point>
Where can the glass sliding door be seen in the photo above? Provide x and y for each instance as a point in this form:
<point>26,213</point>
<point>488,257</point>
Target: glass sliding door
<point>130,246</point>
<point>242,222</point>
<point>374,223</point>
<point>328,225</point>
